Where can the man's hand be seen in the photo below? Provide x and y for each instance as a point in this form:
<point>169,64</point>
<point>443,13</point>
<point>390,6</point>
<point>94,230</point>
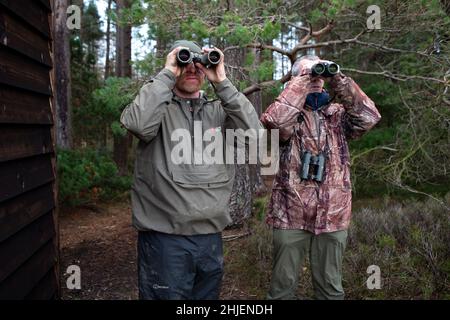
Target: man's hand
<point>216,74</point>
<point>171,61</point>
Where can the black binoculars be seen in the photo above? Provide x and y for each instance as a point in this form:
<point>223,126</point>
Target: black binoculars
<point>209,59</point>
<point>312,166</point>
<point>325,69</point>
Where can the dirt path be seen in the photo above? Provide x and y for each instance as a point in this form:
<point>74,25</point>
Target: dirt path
<point>103,244</point>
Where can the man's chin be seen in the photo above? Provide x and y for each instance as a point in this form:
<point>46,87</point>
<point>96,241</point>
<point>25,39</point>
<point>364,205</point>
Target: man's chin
<point>191,89</point>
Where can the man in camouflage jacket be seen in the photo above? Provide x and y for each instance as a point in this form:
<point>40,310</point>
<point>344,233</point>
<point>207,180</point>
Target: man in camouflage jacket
<point>311,217</point>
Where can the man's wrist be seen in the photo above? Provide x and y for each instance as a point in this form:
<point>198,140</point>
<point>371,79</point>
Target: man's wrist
<point>337,79</point>
<point>171,70</point>
<point>219,86</point>
<point>219,81</point>
<point>225,90</point>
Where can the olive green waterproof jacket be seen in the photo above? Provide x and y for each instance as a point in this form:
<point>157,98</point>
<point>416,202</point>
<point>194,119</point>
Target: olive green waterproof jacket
<point>183,197</point>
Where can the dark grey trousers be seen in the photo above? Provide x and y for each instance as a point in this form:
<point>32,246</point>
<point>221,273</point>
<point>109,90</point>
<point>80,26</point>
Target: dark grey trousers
<point>174,267</point>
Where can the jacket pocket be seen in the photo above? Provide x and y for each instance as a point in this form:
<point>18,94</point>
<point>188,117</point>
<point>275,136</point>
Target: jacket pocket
<point>200,176</point>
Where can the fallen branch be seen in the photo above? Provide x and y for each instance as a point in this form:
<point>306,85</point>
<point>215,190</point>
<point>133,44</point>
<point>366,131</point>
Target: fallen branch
<point>235,236</point>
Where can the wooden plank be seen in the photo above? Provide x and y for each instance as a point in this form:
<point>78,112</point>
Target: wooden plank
<point>28,234</point>
<point>22,38</point>
<point>31,12</point>
<point>53,83</point>
<point>23,175</point>
<point>20,141</point>
<point>19,284</point>
<point>19,212</point>
<point>25,107</point>
<point>21,72</point>
<point>46,288</point>
<point>20,247</point>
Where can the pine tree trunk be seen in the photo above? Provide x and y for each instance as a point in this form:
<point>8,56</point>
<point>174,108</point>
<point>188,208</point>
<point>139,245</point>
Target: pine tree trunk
<point>161,48</point>
<point>123,69</point>
<point>256,181</point>
<point>108,42</point>
<point>241,195</point>
<point>123,43</point>
<point>62,73</point>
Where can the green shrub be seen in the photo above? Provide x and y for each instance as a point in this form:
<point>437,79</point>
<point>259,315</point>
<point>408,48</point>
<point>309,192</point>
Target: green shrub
<point>88,175</point>
<point>259,207</point>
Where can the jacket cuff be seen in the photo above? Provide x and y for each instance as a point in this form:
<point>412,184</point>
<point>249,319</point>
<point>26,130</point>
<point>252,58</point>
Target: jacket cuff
<point>225,90</point>
<point>167,77</point>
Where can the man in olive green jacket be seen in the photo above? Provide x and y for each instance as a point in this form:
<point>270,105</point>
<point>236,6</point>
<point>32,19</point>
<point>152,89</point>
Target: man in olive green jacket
<point>180,209</point>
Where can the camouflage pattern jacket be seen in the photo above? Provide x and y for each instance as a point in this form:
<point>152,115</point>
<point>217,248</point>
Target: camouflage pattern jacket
<point>307,204</point>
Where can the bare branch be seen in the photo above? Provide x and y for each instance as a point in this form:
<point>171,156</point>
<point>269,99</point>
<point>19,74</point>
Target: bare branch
<point>292,53</point>
<point>408,188</point>
<point>356,156</point>
<point>399,77</point>
<point>258,86</point>
<point>261,46</point>
<point>300,46</point>
<point>382,47</point>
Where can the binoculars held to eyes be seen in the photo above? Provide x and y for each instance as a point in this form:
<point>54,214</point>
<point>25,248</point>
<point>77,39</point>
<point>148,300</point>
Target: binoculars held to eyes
<point>325,69</point>
<point>312,166</point>
<point>209,59</point>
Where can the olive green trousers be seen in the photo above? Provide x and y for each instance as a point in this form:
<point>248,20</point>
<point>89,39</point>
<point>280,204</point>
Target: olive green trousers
<point>325,255</point>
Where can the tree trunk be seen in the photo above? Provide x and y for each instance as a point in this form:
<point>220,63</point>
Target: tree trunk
<point>160,48</point>
<point>62,73</point>
<point>123,69</point>
<point>108,41</point>
<point>256,181</point>
<point>123,43</point>
<point>241,195</point>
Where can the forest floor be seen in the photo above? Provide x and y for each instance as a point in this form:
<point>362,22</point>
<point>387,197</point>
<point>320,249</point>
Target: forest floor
<point>102,242</point>
<point>408,240</point>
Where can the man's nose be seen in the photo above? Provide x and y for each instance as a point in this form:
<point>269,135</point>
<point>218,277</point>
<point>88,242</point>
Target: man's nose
<point>317,80</point>
<point>191,68</point>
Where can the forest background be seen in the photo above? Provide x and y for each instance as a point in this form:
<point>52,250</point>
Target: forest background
<point>397,51</point>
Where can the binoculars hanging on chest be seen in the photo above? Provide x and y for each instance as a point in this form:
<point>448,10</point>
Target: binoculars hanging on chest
<point>209,59</point>
<point>312,166</point>
<point>325,69</point>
